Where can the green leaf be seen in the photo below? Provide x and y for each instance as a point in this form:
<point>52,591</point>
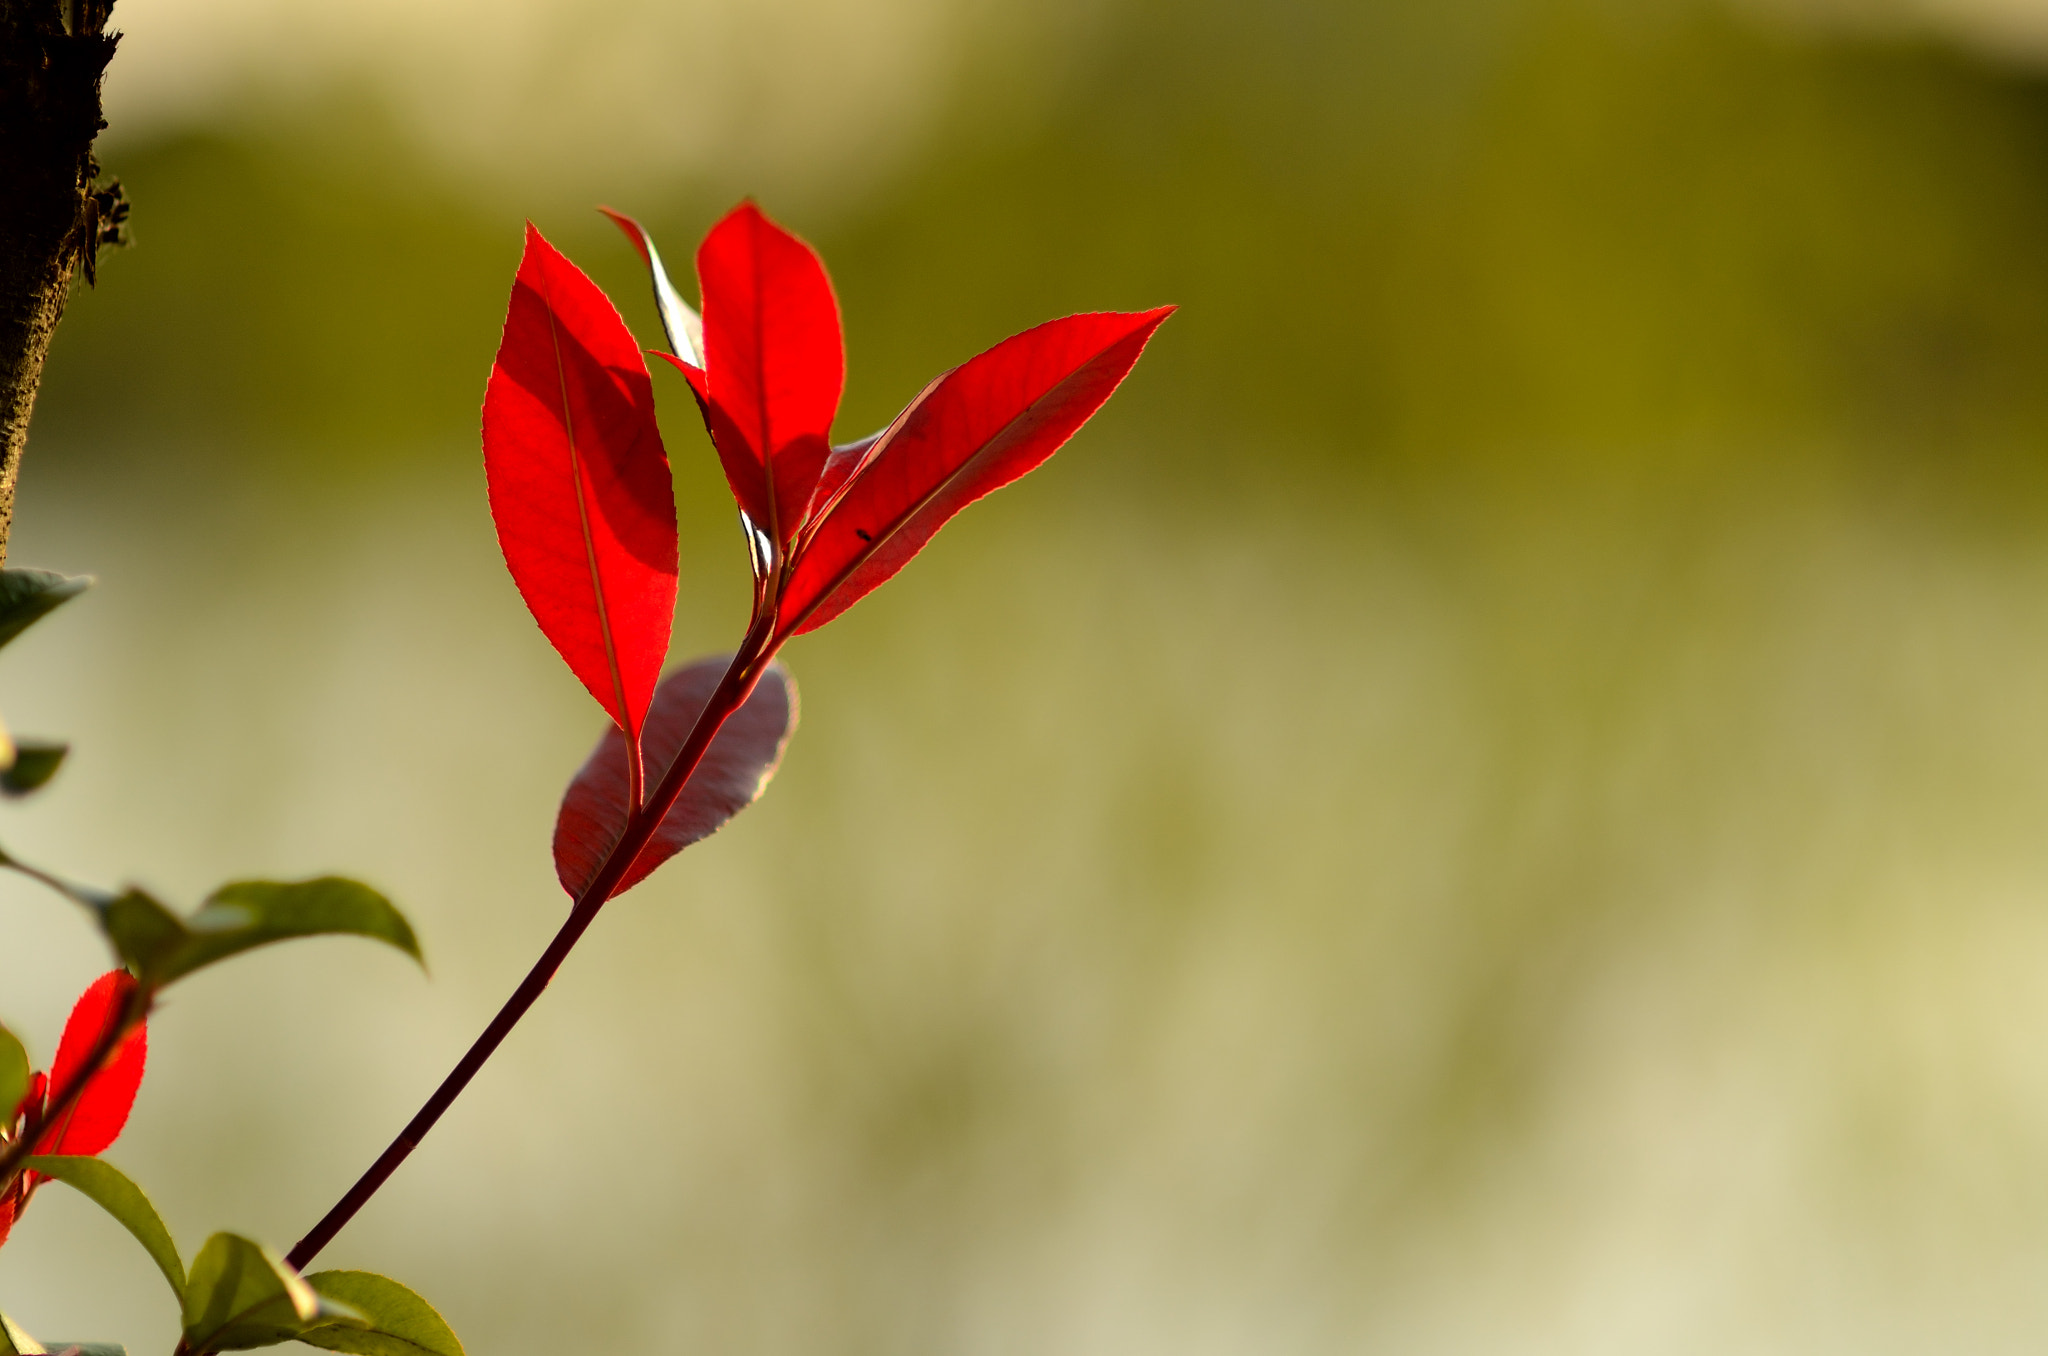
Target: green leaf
<point>14,1077</point>
<point>15,1342</point>
<point>161,946</point>
<point>27,596</point>
<point>253,913</point>
<point>277,1321</point>
<point>145,934</point>
<point>400,1322</point>
<point>234,1282</point>
<point>111,1190</point>
<point>34,764</point>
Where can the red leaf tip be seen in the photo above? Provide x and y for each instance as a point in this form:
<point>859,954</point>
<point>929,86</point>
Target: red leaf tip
<point>774,361</point>
<point>631,229</point>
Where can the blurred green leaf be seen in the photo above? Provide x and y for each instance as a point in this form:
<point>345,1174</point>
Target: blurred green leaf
<point>400,1322</point>
<point>237,917</point>
<point>241,1294</point>
<point>254,913</point>
<point>145,934</point>
<point>14,1075</point>
<point>110,1189</point>
<point>15,1342</point>
<point>34,764</point>
<point>27,596</point>
<point>87,1349</point>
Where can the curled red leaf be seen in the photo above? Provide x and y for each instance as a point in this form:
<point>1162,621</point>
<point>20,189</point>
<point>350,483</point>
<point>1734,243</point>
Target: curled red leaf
<point>579,484</point>
<point>734,772</point>
<point>683,326</point>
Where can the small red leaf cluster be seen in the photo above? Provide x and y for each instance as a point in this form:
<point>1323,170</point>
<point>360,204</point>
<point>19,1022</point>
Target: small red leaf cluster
<point>581,493</point>
<point>95,1117</point>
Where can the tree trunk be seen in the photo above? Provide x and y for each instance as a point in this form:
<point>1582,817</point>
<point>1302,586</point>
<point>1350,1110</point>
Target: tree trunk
<point>52,215</point>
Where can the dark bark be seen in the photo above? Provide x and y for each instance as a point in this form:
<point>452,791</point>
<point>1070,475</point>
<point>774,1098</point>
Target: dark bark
<point>53,215</point>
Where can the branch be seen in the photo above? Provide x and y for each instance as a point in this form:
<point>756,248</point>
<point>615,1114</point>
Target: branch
<point>52,216</point>
<point>731,694</point>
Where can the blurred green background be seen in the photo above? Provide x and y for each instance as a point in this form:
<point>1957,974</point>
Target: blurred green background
<point>1494,801</point>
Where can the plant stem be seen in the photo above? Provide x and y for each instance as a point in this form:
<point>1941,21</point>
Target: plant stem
<point>730,694</point>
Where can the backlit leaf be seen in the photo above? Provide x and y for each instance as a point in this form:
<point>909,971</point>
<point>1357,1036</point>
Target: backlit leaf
<point>14,1072</point>
<point>734,772</point>
<point>848,460</point>
<point>110,1189</point>
<point>95,1119</point>
<point>397,1321</point>
<point>34,764</point>
<point>774,365</point>
<point>579,484</point>
<point>241,1294</point>
<point>27,596</point>
<point>976,429</point>
<point>276,1320</point>
<point>683,327</point>
<point>254,913</point>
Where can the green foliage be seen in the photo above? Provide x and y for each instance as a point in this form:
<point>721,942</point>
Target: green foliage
<point>34,764</point>
<point>14,1074</point>
<point>253,913</point>
<point>241,1294</point>
<point>27,596</point>
<point>400,1322</point>
<point>162,947</point>
<point>110,1189</point>
<point>145,934</point>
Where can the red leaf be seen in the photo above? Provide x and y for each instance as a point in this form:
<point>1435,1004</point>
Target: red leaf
<point>840,466</point>
<point>579,483</point>
<point>734,772</point>
<point>975,430</point>
<point>96,1118</point>
<point>849,459</point>
<point>774,364</point>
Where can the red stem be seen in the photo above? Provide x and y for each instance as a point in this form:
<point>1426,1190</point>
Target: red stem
<point>730,694</point>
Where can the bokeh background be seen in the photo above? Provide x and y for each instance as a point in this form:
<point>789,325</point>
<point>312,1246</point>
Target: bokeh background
<point>1496,801</point>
